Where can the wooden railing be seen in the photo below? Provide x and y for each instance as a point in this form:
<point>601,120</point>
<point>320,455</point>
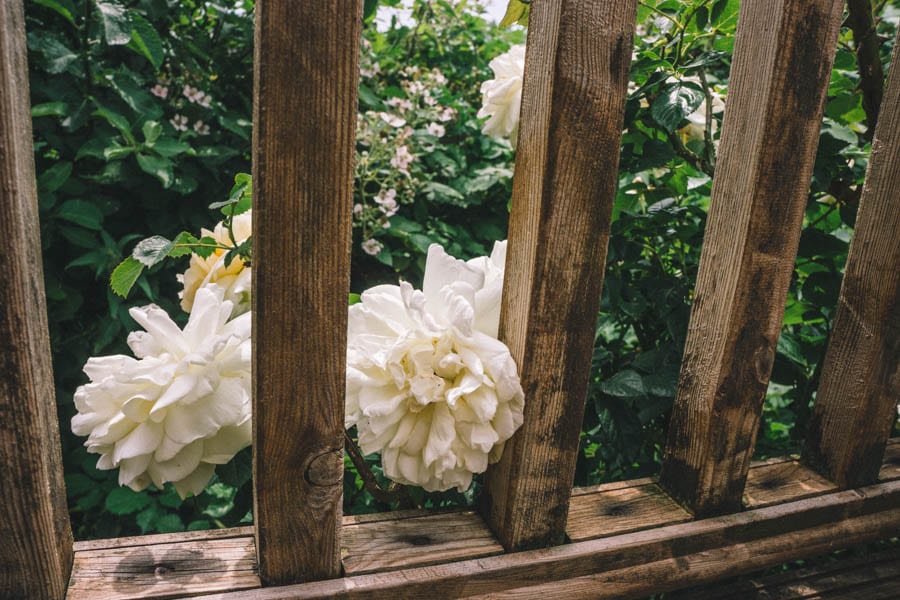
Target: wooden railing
<point>711,514</point>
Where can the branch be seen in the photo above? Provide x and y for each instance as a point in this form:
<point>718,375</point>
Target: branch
<point>868,54</point>
<point>369,481</point>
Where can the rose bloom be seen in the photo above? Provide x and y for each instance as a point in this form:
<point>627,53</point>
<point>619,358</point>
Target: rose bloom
<point>428,384</point>
<point>502,96</point>
<point>695,130</point>
<point>233,279</point>
<point>178,409</point>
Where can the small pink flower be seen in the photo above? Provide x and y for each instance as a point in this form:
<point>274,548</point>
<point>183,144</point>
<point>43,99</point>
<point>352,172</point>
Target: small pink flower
<point>436,129</point>
<point>401,159</point>
<point>179,122</point>
<point>201,128</point>
<point>447,114</point>
<point>160,91</point>
<point>372,247</point>
<point>392,120</point>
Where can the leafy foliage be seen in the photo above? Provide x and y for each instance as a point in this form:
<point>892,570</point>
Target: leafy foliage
<point>141,116</point>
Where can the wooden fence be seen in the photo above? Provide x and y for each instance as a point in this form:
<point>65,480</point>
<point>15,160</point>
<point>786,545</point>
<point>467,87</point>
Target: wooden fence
<point>712,513</point>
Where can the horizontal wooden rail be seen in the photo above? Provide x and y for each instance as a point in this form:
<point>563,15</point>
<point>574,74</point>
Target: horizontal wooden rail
<point>620,515</point>
<point>35,535</point>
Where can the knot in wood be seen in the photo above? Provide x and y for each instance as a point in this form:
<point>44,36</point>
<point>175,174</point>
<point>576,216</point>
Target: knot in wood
<point>763,359</point>
<point>326,469</point>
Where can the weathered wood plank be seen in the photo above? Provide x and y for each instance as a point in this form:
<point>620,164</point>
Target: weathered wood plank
<point>890,468</point>
<point>782,482</point>
<point>636,564</point>
<point>573,101</point>
<point>35,535</point>
<point>306,73</point>
<point>424,540</point>
<point>864,577</point>
<point>783,54</point>
<point>163,538</point>
<point>642,580</point>
<point>622,510</point>
<point>384,541</point>
<point>168,570</point>
<point>856,404</point>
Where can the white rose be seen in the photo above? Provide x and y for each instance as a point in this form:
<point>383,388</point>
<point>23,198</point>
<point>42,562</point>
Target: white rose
<point>178,409</point>
<point>233,279</point>
<point>426,386</point>
<point>502,96</point>
<point>695,130</point>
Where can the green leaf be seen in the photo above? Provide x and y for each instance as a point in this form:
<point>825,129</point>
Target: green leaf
<point>47,109</point>
<point>180,244</point>
<point>125,275</point>
<point>82,213</point>
<point>147,517</point>
<point>159,167</point>
<point>702,17</point>
<point>354,299</point>
<point>135,95</point>
<point>53,178</point>
<point>58,56</point>
<point>624,384</point>
<point>207,247</point>
<point>238,470</point>
<point>170,497</point>
<point>114,119</point>
<point>145,40</point>
<point>717,8</point>
<point>516,12</point>
<point>124,501</point>
<point>152,250</point>
<point>63,7</point>
<point>169,147</point>
<point>201,525</point>
<point>169,524</point>
<point>675,102</point>
<point>151,131</point>
<point>116,24</point>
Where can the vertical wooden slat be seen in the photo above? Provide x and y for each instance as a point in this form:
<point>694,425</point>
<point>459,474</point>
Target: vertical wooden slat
<point>857,399</point>
<point>35,536</point>
<point>306,72</point>
<point>576,75</point>
<point>783,54</point>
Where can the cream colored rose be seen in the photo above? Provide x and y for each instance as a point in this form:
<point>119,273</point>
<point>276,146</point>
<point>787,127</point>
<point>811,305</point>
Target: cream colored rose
<point>178,409</point>
<point>427,385</point>
<point>233,279</point>
<point>502,96</point>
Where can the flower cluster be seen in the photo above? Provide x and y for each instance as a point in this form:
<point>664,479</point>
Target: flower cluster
<point>392,142</point>
<point>180,407</point>
<point>428,384</point>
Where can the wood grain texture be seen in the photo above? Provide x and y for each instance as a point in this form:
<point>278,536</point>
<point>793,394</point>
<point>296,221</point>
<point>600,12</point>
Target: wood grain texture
<point>404,542</point>
<point>35,536</point>
<point>783,54</point>
<point>156,566</point>
<point>856,404</point>
<point>781,482</point>
<point>890,468</point>
<point>622,510</point>
<point>637,564</point>
<point>873,577</point>
<point>573,100</point>
<point>165,570</point>
<point>305,90</point>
